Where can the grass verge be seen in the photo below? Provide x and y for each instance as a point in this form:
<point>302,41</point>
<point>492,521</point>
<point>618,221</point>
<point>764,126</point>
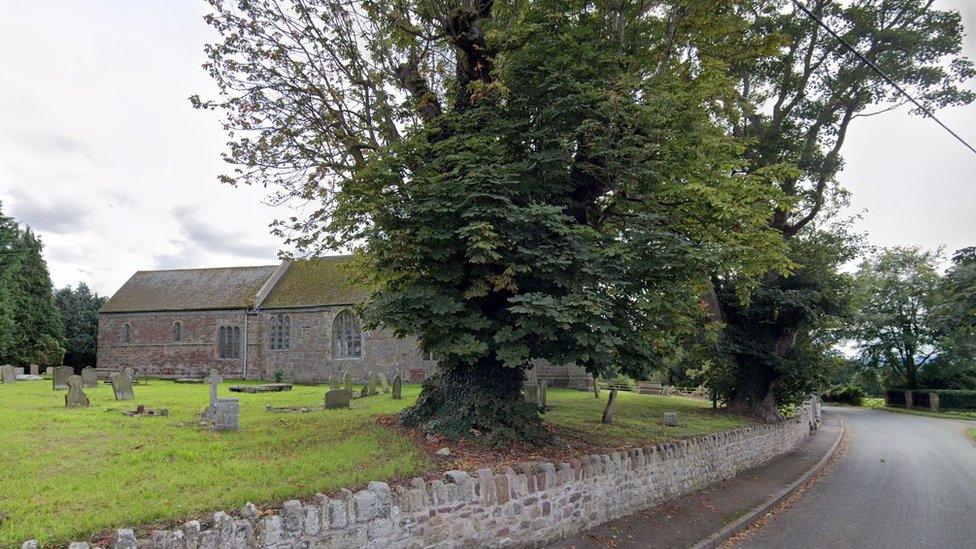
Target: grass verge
<point>879,404</point>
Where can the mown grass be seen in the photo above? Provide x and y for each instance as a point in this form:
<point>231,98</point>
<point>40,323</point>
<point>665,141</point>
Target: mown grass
<point>71,473</point>
<point>68,473</point>
<point>638,419</point>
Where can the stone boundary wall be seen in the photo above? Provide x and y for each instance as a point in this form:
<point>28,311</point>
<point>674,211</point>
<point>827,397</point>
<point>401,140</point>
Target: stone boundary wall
<point>524,505</point>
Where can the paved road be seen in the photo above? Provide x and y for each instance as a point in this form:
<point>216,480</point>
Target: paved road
<point>899,481</point>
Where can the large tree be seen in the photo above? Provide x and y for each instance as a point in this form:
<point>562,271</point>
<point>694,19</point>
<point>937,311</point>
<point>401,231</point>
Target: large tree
<point>954,318</point>
<point>79,309</point>
<point>795,109</point>
<point>894,327</point>
<point>521,180</point>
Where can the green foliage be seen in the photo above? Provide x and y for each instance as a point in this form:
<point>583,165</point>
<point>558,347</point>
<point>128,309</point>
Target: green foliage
<point>31,330</point>
<point>895,294</point>
<point>79,310</point>
<point>956,400</point>
<point>279,375</point>
<point>845,394</point>
<point>954,319</point>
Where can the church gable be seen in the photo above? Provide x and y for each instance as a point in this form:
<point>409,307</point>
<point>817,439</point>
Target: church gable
<point>315,282</point>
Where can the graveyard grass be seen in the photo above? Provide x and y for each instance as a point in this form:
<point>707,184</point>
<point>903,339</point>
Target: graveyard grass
<point>70,473</point>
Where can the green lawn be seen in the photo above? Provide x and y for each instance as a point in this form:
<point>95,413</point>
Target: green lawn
<point>638,419</point>
<point>69,473</point>
<point>879,403</point>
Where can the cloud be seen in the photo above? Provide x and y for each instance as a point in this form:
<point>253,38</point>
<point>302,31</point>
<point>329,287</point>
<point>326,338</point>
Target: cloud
<point>58,214</point>
<point>202,240</point>
<point>49,143</point>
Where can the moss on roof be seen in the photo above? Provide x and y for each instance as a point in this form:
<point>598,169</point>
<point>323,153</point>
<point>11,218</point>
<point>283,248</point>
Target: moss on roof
<point>190,289</point>
<point>314,282</point>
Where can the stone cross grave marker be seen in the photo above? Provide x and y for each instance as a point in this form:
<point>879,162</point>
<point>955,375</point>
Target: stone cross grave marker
<point>337,398</point>
<point>8,374</point>
<point>596,387</point>
<point>89,379</point>
<point>371,384</point>
<point>76,398</point>
<point>213,379</point>
<point>608,411</point>
<point>60,375</point>
<point>397,391</point>
<point>384,384</point>
<point>121,387</point>
<point>347,382</point>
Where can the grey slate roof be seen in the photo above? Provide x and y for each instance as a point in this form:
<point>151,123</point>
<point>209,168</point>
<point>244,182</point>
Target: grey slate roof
<point>190,289</point>
<point>305,283</point>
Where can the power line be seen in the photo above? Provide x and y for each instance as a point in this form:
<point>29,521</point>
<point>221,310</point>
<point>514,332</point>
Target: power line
<point>878,70</point>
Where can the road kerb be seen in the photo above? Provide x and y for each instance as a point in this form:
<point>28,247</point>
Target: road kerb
<point>743,522</point>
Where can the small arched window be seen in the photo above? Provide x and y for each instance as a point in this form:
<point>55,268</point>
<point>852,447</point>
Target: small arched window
<point>347,336</point>
<point>177,331</point>
<point>126,333</point>
<point>279,332</point>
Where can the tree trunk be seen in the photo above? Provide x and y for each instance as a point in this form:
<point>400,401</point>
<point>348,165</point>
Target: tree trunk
<point>760,402</point>
<point>477,401</point>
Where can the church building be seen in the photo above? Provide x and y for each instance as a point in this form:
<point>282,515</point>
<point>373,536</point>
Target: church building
<point>295,320</point>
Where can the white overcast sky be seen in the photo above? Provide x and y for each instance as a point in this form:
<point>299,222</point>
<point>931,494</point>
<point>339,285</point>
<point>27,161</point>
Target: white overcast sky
<point>101,153</point>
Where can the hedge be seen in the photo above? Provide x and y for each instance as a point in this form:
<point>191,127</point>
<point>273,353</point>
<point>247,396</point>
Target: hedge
<point>956,399</point>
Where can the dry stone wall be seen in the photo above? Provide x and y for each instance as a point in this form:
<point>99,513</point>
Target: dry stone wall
<point>524,505</point>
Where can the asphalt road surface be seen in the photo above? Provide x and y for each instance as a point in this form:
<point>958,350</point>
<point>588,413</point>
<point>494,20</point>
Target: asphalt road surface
<point>898,480</point>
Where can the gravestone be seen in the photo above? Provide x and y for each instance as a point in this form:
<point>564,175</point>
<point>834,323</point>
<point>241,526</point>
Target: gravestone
<point>671,419</point>
<point>335,383</point>
<point>60,375</point>
<point>371,384</point>
<point>608,411</point>
<point>8,374</point>
<point>131,374</point>
<point>213,379</point>
<point>384,384</point>
<point>227,415</point>
<point>337,398</point>
<point>397,391</point>
<point>532,393</point>
<point>347,382</point>
<point>89,379</point>
<point>121,387</point>
<point>34,370</point>
<point>596,387</point>
<point>543,393</point>
<point>364,392</point>
<point>18,370</point>
<point>76,398</point>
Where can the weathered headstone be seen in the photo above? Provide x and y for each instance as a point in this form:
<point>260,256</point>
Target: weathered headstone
<point>18,370</point>
<point>227,415</point>
<point>397,391</point>
<point>34,370</point>
<point>543,393</point>
<point>8,374</point>
<point>371,384</point>
<point>384,384</point>
<point>532,393</point>
<point>347,382</point>
<point>671,419</point>
<point>89,379</point>
<point>608,411</point>
<point>60,375</point>
<point>76,398</point>
<point>121,387</point>
<point>596,387</point>
<point>337,398</point>
<point>131,374</point>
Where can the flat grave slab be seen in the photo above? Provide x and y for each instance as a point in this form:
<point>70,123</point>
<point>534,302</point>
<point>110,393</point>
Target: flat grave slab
<point>266,388</point>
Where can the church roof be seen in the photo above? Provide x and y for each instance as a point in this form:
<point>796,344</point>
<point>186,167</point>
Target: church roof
<point>313,282</point>
<point>293,284</point>
<point>190,289</point>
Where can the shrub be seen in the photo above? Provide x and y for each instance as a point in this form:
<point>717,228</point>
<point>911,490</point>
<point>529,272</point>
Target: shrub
<point>845,394</point>
<point>956,400</point>
<point>279,375</point>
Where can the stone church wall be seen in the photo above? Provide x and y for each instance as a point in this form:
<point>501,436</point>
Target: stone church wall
<point>525,505</point>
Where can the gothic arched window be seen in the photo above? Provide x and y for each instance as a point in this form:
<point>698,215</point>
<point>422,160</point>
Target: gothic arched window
<point>126,333</point>
<point>177,331</point>
<point>279,332</point>
<point>347,336</point>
